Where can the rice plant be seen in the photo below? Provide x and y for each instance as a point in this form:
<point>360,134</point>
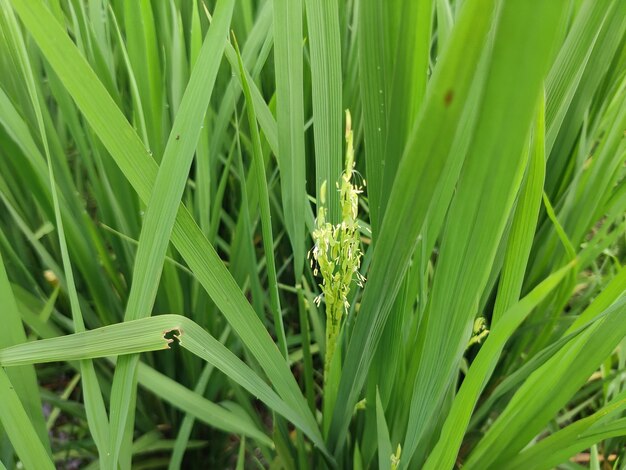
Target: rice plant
<point>313,234</point>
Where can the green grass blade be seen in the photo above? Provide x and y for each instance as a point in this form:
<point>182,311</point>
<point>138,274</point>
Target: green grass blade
<point>111,340</point>
<point>549,387</point>
<point>325,49</point>
<point>184,431</point>
<point>241,456</point>
<point>445,452</point>
<point>371,44</point>
<point>149,334</point>
<point>477,219</point>
<point>140,115</point>
<point>580,435</point>
<point>595,67</point>
<point>604,300</point>
<point>566,73</point>
<point>162,386</point>
<point>418,174</point>
<point>163,205</point>
<point>18,425</point>
<point>411,64</point>
<point>23,379</point>
<point>266,217</point>
<point>524,223</point>
<point>290,120</point>
<point>132,190</point>
<point>264,114</point>
<point>444,22</point>
<point>384,444</point>
<point>96,412</point>
<point>196,405</point>
<point>144,58</point>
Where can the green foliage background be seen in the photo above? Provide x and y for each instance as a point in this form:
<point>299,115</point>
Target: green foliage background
<point>160,170</point>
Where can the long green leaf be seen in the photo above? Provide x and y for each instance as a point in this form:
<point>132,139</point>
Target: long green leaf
<point>290,119</point>
<point>96,412</point>
<point>128,152</point>
<point>384,444</point>
<point>325,50</point>
<point>477,218</point>
<point>149,334</point>
<point>371,44</point>
<point>23,379</point>
<point>445,452</point>
<point>418,173</point>
<point>264,203</point>
<point>548,388</point>
<point>18,425</point>
<point>154,382</point>
<point>411,63</point>
<point>524,223</point>
<point>184,431</point>
<point>162,207</point>
<point>555,449</point>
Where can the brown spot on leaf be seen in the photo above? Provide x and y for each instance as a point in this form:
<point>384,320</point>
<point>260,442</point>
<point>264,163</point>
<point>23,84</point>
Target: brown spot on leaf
<point>448,98</point>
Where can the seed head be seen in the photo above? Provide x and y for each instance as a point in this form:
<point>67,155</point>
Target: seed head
<point>337,249</point>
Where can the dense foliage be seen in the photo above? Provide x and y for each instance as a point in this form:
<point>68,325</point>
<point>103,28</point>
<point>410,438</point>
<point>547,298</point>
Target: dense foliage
<point>207,262</point>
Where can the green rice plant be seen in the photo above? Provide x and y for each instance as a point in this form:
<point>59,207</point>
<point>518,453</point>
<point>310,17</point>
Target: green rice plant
<point>166,168</point>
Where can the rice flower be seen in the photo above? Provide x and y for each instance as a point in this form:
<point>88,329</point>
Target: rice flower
<point>337,252</point>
